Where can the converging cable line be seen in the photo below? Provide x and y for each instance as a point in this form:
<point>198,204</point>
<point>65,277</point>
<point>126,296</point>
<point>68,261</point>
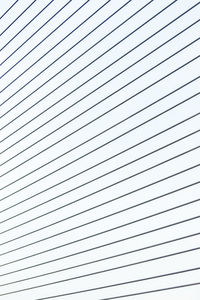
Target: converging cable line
<point>100,260</point>
<point>94,248</point>
<point>90,48</point>
<point>41,57</point>
<point>17,19</point>
<point>142,293</point>
<point>48,36</point>
<point>128,199</point>
<point>8,9</point>
<point>105,270</point>
<point>43,9</point>
<point>67,52</point>
<point>92,151</point>
<point>39,28</point>
<point>113,93</point>
<point>100,56</point>
<point>122,283</point>
<point>88,223</point>
<point>74,104</point>
<point>102,132</point>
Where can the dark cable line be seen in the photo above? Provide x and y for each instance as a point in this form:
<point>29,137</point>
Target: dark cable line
<point>104,270</point>
<point>68,80</point>
<point>87,223</point>
<point>144,292</point>
<point>66,218</point>
<point>26,26</point>
<point>113,93</point>
<point>91,47</point>
<point>74,215</point>
<point>69,50</point>
<point>1,199</point>
<point>8,9</point>
<point>151,104</point>
<point>71,162</point>
<point>41,27</point>
<point>123,283</point>
<point>102,259</point>
<point>131,147</point>
<point>93,248</point>
<point>87,1</point>
<point>97,164</point>
<point>100,56</point>
<point>17,19</point>
<point>108,269</point>
<point>89,209</point>
<point>71,105</point>
<point>82,70</point>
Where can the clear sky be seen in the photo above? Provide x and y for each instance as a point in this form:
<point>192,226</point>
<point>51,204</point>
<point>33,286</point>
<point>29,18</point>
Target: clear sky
<point>63,153</point>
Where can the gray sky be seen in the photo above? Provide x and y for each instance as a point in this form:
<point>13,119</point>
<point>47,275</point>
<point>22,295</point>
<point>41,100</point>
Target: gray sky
<point>133,135</point>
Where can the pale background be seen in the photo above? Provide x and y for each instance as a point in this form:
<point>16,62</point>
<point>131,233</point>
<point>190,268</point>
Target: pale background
<point>189,108</point>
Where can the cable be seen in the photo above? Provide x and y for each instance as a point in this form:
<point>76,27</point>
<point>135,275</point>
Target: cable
<point>144,89</point>
<point>69,163</point>
<point>41,27</point>
<point>8,9</point>
<point>102,259</point>
<point>47,37</point>
<point>120,122</point>
<point>69,64</point>
<point>136,174</point>
<point>88,223</point>
<point>26,26</point>
<point>85,68</point>
<point>123,283</point>
<point>117,154</point>
<point>17,19</point>
<point>14,205</point>
<point>145,292</point>
<point>66,53</point>
<point>69,106</point>
<point>72,216</point>
<point>66,67</point>
<point>93,248</point>
<point>11,292</point>
<point>105,270</point>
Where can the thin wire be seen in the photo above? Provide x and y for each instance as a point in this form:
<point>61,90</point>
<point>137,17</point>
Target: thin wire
<point>14,205</point>
<point>144,89</point>
<point>120,122</point>
<point>66,53</point>
<point>69,64</point>
<point>69,217</point>
<point>84,69</point>
<point>17,19</point>
<point>124,283</point>
<point>26,26</point>
<point>42,27</point>
<point>109,270</point>
<point>91,249</point>
<point>72,104</point>
<point>67,50</point>
<point>104,271</point>
<point>41,228</point>
<point>89,168</point>
<point>68,78</point>
<point>8,9</point>
<point>143,293</point>
<point>87,223</point>
<point>102,259</point>
<point>48,36</point>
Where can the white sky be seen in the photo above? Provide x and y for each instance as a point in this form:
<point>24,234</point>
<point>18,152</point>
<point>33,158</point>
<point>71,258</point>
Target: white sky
<point>138,101</point>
